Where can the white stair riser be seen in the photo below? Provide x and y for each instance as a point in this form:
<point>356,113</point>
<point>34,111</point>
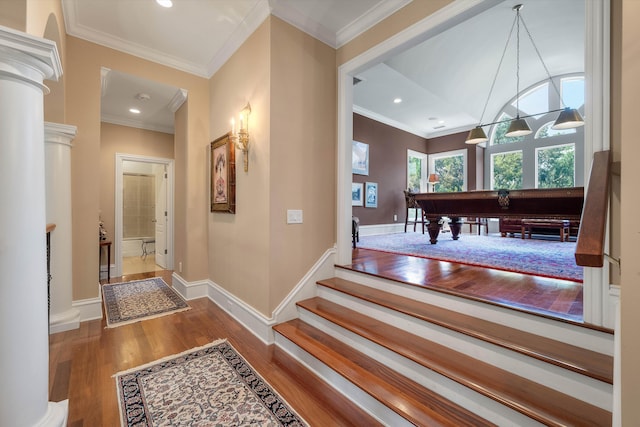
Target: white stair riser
<point>476,403</point>
<point>581,387</point>
<point>590,339</point>
<point>372,406</point>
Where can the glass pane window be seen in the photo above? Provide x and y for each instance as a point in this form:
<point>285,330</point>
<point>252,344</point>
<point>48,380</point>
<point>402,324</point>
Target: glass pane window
<point>451,168</point>
<point>500,129</point>
<point>572,90</point>
<point>545,131</point>
<point>534,101</point>
<point>506,170</point>
<point>555,166</point>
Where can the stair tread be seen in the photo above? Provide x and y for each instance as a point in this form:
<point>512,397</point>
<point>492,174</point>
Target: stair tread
<point>407,398</point>
<point>590,363</point>
<point>532,399</point>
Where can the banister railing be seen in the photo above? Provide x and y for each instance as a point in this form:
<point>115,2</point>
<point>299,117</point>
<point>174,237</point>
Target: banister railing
<point>590,244</point>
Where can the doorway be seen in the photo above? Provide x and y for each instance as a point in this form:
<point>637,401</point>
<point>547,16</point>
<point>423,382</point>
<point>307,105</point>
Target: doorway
<point>143,214</point>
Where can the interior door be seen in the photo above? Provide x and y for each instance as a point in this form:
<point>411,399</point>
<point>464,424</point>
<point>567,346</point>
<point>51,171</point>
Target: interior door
<point>161,216</point>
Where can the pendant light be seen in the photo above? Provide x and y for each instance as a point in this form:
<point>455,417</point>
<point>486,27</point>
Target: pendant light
<point>568,117</point>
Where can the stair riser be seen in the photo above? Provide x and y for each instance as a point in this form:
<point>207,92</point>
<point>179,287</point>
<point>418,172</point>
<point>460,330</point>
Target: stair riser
<point>478,404</point>
<point>370,405</point>
<point>590,339</point>
<point>587,389</point>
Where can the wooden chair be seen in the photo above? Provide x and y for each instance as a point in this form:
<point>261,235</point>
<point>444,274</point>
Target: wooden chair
<point>411,203</point>
<point>480,223</point>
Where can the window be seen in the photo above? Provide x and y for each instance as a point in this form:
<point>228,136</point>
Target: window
<point>416,171</point>
<point>555,166</point>
<point>497,136</point>
<point>451,168</point>
<point>506,170</point>
<point>546,158</point>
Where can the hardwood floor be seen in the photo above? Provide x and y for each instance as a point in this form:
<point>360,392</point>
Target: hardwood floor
<point>560,299</point>
<point>83,361</point>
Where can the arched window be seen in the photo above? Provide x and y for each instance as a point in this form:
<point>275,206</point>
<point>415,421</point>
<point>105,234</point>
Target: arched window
<point>546,158</point>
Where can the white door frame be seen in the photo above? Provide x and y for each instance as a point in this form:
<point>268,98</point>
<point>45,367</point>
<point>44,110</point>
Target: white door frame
<point>597,34</point>
<point>120,158</point>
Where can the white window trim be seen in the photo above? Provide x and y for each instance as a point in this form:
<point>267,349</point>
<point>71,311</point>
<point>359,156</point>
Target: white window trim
<point>425,163</point>
<point>548,147</point>
<point>454,153</point>
<point>491,171</point>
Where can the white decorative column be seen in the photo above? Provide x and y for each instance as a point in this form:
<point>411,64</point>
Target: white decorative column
<point>57,138</point>
<point>25,61</point>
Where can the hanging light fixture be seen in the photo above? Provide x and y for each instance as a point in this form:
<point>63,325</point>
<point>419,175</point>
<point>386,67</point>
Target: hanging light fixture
<point>568,117</point>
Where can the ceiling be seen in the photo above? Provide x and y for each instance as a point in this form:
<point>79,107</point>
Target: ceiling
<point>443,82</point>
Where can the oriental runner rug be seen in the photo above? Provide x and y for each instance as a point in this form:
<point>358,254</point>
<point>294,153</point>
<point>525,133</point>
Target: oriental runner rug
<point>130,302</point>
<point>211,385</point>
<point>546,258</point>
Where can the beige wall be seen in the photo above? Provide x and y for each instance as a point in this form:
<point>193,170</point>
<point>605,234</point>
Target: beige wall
<point>125,140</point>
<point>84,61</point>
<point>289,79</point>
<point>303,155</point>
<point>13,14</point>
<point>630,286</point>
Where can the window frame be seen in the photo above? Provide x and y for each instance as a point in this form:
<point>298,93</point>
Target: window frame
<point>424,160</point>
<point>453,153</point>
<point>549,147</point>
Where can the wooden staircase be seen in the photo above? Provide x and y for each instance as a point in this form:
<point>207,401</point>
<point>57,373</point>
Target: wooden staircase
<point>412,357</point>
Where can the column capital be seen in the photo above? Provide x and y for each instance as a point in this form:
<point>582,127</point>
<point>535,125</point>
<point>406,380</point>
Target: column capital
<point>29,58</point>
<point>59,133</point>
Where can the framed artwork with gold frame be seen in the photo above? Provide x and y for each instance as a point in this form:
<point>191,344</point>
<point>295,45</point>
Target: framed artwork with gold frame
<point>223,175</point>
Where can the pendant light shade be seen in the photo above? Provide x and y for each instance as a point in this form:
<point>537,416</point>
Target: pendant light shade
<point>569,118</point>
<point>518,127</point>
<point>476,136</point>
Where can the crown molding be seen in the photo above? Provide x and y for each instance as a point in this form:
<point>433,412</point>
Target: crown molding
<point>375,15</point>
<point>389,122</point>
<point>136,124</point>
<point>303,23</point>
<point>98,37</point>
<point>177,100</point>
<point>252,21</point>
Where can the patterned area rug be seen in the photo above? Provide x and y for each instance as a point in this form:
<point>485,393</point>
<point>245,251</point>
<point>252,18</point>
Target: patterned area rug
<point>207,386</point>
<point>547,258</point>
<point>130,302</point>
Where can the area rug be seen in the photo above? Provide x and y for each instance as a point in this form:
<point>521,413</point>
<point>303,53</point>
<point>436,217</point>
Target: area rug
<point>129,302</point>
<point>207,386</point>
<point>547,258</point>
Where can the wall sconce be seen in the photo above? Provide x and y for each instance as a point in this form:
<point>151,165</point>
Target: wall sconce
<point>241,138</point>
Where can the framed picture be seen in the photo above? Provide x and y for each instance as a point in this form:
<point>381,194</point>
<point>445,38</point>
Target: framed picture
<point>371,195</point>
<point>359,158</point>
<point>356,193</point>
<point>223,175</point>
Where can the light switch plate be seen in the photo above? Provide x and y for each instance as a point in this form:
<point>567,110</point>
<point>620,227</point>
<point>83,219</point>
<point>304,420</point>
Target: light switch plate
<point>294,216</point>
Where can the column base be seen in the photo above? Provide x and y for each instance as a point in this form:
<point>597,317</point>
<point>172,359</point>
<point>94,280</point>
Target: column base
<point>56,416</point>
<point>64,321</point>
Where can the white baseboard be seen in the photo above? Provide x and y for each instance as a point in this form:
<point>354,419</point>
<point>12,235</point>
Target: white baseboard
<point>56,415</point>
<point>371,230</point>
<point>64,321</point>
<point>90,308</point>
<point>256,322</point>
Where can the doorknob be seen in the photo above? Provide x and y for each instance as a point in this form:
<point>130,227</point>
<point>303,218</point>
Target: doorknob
<point>154,220</point>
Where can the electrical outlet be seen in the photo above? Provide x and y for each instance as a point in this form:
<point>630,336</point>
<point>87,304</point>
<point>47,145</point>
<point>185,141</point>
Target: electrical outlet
<point>395,217</point>
<point>180,267</point>
<point>294,216</point>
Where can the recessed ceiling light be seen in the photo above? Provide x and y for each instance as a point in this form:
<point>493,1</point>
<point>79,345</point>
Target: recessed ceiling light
<point>397,100</point>
<point>165,3</point>
<point>441,122</point>
<point>134,110</point>
<point>143,96</point>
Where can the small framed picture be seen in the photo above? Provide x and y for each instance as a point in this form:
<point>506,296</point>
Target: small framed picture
<point>359,158</point>
<point>356,194</point>
<point>371,195</point>
<point>223,175</point>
